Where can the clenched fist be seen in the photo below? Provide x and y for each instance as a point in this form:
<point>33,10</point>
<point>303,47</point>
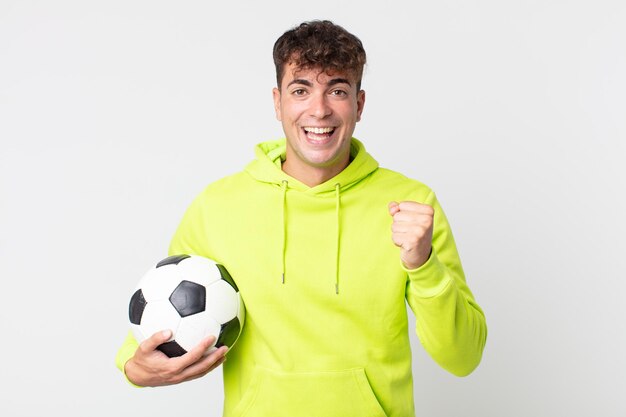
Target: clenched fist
<point>412,231</point>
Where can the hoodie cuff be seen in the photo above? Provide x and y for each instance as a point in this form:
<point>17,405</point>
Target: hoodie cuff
<point>123,356</point>
<point>430,279</point>
<point>128,380</point>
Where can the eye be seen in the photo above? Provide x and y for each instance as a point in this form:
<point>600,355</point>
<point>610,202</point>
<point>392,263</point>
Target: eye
<point>339,93</point>
<point>299,92</point>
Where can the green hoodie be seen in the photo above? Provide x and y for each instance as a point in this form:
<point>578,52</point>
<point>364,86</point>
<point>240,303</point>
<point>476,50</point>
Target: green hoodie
<point>326,330</point>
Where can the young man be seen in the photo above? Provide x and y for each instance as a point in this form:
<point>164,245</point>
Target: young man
<point>325,247</point>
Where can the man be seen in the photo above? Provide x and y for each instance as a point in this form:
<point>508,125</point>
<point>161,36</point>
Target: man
<point>325,247</point>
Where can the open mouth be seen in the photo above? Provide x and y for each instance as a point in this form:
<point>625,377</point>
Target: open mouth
<point>318,134</point>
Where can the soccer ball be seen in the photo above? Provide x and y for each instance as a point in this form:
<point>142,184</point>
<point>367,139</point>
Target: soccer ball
<point>192,296</point>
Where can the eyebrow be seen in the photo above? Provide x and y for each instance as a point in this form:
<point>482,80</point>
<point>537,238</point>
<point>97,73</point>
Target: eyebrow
<point>310,84</point>
<point>339,81</point>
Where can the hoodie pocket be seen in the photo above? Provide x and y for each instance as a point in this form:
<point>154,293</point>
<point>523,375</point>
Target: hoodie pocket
<point>341,393</point>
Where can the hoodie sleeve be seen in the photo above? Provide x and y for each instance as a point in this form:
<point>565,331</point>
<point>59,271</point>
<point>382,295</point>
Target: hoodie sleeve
<point>449,323</point>
<point>125,352</point>
<point>186,240</point>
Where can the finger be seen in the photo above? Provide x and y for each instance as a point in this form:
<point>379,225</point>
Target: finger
<point>401,227</point>
<point>414,206</point>
<point>151,343</point>
<point>402,244</point>
<point>393,208</point>
<point>221,358</point>
<point>412,221</point>
<point>218,363</point>
<point>197,353</point>
<point>407,216</point>
<point>397,240</point>
<point>206,371</point>
<point>206,364</point>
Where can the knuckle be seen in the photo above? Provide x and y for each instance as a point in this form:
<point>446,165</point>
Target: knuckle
<point>171,371</point>
<point>175,379</point>
<point>418,233</point>
<point>144,348</point>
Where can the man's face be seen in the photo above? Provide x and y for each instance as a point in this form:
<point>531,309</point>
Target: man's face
<point>318,112</point>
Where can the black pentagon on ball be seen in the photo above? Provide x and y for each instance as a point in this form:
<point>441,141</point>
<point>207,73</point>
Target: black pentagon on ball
<point>172,260</point>
<point>226,277</point>
<point>188,298</point>
<point>172,349</point>
<point>228,333</point>
<point>136,307</point>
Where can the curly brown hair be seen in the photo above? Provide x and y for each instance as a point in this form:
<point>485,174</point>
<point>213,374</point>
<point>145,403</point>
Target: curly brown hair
<point>320,44</point>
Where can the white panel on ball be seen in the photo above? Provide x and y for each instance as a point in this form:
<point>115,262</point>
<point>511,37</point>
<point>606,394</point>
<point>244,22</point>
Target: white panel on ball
<point>163,281</point>
<point>200,270</point>
<point>222,301</point>
<point>193,329</point>
<point>159,315</point>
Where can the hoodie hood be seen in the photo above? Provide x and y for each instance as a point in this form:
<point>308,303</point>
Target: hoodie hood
<point>270,155</point>
<point>267,168</point>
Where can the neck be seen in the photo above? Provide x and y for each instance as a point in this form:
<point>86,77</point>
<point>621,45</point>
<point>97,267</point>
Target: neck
<point>312,176</point>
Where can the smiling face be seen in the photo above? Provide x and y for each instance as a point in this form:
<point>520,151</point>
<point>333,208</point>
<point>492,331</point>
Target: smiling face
<point>318,111</point>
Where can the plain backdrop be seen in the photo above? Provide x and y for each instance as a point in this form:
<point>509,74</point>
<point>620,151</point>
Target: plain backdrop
<point>115,114</point>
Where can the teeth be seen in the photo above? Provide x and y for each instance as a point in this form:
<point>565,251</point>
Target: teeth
<point>319,130</point>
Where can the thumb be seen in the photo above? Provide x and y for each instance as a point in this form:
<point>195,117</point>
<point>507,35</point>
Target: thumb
<point>394,207</point>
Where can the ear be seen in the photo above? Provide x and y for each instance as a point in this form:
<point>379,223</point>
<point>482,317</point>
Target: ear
<point>360,103</point>
<point>276,96</point>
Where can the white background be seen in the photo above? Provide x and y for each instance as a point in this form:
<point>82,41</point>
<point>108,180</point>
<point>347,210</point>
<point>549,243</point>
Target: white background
<point>115,114</point>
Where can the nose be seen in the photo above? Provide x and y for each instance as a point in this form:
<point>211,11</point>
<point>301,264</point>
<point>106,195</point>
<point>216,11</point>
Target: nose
<point>320,107</point>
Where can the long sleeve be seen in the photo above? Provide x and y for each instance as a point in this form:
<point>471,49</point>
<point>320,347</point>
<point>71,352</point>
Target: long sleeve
<point>187,234</point>
<point>449,323</point>
<point>125,352</point>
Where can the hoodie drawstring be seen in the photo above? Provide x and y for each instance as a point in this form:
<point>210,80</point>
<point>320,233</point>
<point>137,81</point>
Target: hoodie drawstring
<point>337,209</point>
<point>284,186</point>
